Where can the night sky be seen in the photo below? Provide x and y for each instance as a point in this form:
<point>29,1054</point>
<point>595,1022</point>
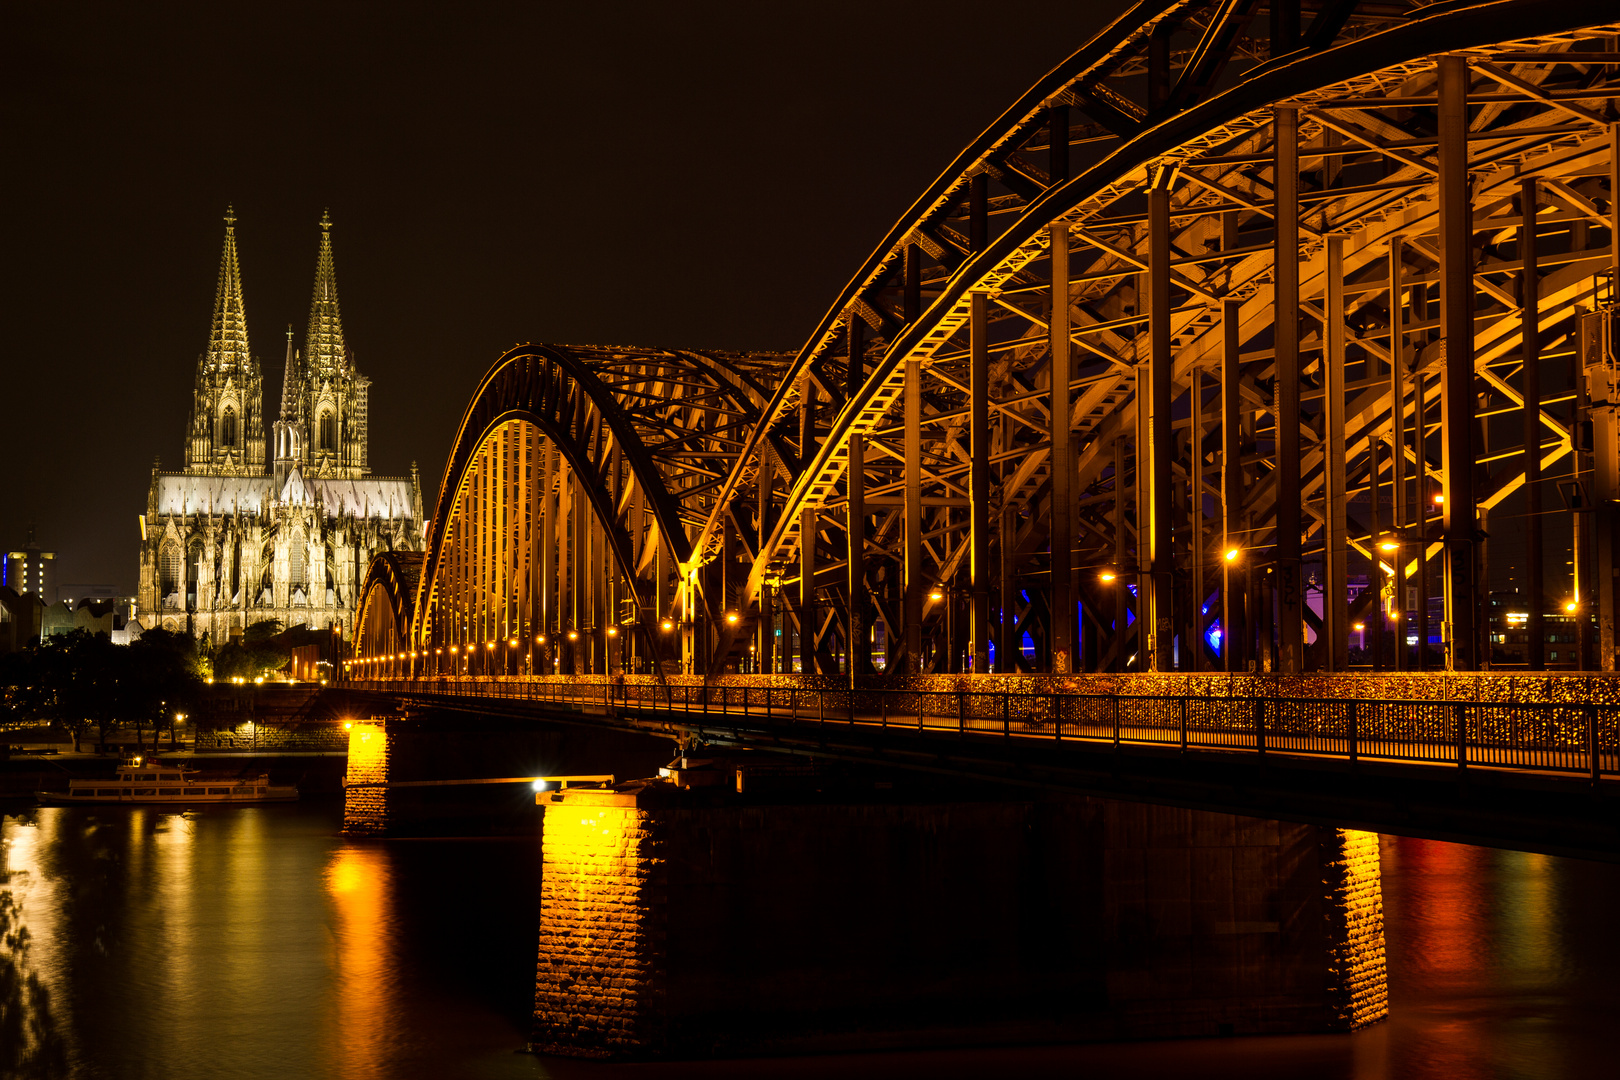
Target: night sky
<point>647,174</point>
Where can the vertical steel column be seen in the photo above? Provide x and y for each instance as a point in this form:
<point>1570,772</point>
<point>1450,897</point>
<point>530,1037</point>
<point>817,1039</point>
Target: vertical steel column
<point>1457,397</point>
<point>1397,442</point>
<point>914,583</point>
<point>1142,499</point>
<point>1193,649</point>
<point>807,590</point>
<point>1580,530</point>
<point>1535,652</point>
<point>1285,255</point>
<point>1061,597</point>
<point>1375,564</point>
<point>1008,649</point>
<point>979,483</point>
<point>860,638</point>
<point>1420,498</point>
<point>1121,612</point>
<point>548,554</point>
<point>765,637</point>
<point>1161,553</point>
<point>1606,441</point>
<point>1233,593</point>
<point>1335,602</point>
<point>578,573</point>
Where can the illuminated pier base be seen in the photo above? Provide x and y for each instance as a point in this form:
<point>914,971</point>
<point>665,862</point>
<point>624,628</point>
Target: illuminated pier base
<point>442,758</point>
<point>707,922</point>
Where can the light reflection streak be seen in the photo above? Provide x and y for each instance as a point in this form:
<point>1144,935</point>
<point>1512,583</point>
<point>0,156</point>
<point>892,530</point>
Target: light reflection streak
<point>359,883</point>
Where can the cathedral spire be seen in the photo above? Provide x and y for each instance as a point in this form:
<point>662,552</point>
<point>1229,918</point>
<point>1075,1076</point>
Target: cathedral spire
<point>226,433</point>
<point>290,381</point>
<point>324,354</point>
<point>228,339</point>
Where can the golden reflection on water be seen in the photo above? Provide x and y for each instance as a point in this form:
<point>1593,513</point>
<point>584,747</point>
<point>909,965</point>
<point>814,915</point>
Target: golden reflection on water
<point>359,885</point>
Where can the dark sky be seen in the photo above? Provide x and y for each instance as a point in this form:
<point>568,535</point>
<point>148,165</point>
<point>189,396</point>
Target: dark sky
<point>625,173</point>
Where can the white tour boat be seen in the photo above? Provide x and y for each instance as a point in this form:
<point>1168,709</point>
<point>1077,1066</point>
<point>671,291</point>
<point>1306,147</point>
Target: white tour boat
<point>143,780</point>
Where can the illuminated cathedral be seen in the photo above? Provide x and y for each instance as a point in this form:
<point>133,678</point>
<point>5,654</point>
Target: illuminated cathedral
<point>227,541</point>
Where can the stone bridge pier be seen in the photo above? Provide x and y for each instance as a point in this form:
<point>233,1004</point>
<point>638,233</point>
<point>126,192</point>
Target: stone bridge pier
<point>703,920</point>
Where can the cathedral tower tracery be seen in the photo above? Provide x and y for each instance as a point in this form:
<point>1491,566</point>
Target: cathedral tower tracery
<point>226,436</point>
<point>322,425</point>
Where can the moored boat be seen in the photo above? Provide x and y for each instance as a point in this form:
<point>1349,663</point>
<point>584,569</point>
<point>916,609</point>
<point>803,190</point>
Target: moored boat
<point>143,779</point>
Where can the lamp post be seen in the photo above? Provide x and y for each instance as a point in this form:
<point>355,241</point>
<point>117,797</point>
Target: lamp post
<point>1389,546</point>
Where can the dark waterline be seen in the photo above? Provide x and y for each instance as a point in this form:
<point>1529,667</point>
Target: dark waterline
<point>256,942</point>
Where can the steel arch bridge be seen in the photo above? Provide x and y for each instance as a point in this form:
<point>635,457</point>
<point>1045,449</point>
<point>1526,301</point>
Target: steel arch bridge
<point>1239,434</point>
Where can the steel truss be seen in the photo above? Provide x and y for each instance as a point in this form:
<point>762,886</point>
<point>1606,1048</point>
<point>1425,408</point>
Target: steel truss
<point>1397,177</point>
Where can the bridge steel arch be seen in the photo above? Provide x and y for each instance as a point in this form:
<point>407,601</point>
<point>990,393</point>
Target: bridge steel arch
<point>383,621</point>
<point>1398,177</point>
<point>565,519</point>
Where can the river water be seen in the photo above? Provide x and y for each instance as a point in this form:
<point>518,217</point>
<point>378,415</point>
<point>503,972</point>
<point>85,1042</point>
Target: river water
<point>256,942</point>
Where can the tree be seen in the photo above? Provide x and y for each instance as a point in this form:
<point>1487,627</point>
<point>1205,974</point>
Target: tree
<point>163,677</point>
<point>255,654</point>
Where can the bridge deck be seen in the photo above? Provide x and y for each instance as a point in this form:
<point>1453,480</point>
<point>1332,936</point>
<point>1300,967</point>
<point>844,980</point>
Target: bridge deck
<point>1562,739</point>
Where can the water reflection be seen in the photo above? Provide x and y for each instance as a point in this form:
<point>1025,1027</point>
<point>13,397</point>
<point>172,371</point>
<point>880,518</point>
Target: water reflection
<point>254,942</point>
<point>359,882</point>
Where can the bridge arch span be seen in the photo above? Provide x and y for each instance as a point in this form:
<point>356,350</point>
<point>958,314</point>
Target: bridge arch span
<point>564,522</point>
<point>1153,153</point>
<point>383,641</point>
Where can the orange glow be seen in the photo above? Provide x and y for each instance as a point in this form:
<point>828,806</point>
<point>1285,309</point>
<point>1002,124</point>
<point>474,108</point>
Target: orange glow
<point>668,626</point>
<point>613,631</point>
<point>489,645</point>
<point>1106,576</point>
<point>731,617</point>
<point>1231,554</point>
<point>512,643</point>
<point>573,635</point>
<point>1571,607</point>
<point>1360,627</point>
<point>359,889</point>
<point>936,595</point>
<point>1439,499</point>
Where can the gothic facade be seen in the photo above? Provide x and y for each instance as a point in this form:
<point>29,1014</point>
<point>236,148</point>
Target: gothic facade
<point>227,542</point>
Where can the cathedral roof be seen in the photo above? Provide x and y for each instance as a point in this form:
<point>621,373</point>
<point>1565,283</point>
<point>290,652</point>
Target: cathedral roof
<point>185,495</point>
<point>228,339</point>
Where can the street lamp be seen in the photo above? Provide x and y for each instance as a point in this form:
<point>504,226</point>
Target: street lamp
<point>1107,577</point>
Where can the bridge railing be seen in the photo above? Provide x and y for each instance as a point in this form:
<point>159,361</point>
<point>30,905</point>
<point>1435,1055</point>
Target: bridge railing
<point>1555,737</point>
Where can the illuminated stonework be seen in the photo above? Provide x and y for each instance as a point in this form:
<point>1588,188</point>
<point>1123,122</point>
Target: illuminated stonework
<point>365,808</point>
<point>1357,990</point>
<point>227,543</point>
<point>599,985</point>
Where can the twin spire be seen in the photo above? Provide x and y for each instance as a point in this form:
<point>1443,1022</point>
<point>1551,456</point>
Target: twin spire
<point>325,352</point>
<point>228,341</point>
